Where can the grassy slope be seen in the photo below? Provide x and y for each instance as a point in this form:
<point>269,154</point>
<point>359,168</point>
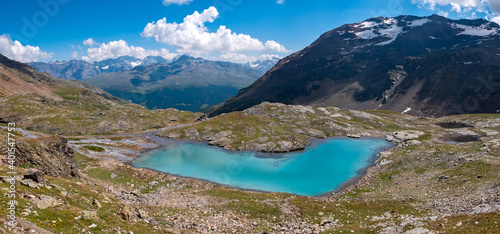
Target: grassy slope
<point>413,190</point>
<point>81,112</point>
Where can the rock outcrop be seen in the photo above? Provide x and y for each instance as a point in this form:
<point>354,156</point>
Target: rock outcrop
<point>51,155</point>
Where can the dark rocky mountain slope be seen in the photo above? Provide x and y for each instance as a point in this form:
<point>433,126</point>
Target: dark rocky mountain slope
<point>427,66</point>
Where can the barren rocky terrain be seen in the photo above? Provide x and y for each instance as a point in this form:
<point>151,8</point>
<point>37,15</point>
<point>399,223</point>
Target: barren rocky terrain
<point>442,177</point>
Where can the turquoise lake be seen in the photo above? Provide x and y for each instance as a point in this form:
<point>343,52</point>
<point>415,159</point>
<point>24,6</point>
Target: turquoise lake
<point>321,168</point>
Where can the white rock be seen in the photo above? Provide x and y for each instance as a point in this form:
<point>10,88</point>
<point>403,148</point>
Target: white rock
<point>418,230</point>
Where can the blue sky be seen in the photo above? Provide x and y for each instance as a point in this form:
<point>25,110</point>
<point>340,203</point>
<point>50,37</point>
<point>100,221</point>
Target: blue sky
<point>57,29</point>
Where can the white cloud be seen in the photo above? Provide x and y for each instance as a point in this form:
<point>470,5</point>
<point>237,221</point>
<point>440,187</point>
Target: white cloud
<point>121,48</point>
<point>74,55</point>
<point>237,58</point>
<point>243,58</point>
<point>469,9</point>
<point>275,46</point>
<point>89,42</point>
<point>456,5</point>
<point>443,13</point>
<point>280,1</point>
<point>192,36</point>
<point>496,19</point>
<point>178,2</point>
<point>16,51</point>
<point>495,6</point>
<point>269,56</point>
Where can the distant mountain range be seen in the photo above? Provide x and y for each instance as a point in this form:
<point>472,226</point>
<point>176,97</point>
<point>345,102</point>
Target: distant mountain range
<point>426,66</point>
<point>185,83</point>
<point>81,69</point>
<point>263,65</point>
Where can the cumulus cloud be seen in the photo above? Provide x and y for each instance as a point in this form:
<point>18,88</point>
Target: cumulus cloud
<point>495,6</point>
<point>243,58</point>
<point>119,48</point>
<point>443,13</point>
<point>280,1</point>
<point>489,9</point>
<point>74,55</point>
<point>192,36</point>
<point>89,42</point>
<point>237,57</point>
<point>496,19</point>
<point>269,56</point>
<point>178,2</point>
<point>16,51</point>
<point>456,5</point>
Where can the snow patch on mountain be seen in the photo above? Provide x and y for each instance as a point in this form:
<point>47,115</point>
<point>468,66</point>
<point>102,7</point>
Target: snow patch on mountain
<point>391,32</point>
<point>368,34</point>
<point>419,22</point>
<point>367,24</point>
<point>481,31</point>
<point>135,64</point>
<point>406,111</point>
<point>58,62</point>
<point>387,28</point>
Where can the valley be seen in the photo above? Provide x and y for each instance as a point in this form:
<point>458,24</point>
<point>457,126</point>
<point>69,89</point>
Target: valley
<point>184,83</point>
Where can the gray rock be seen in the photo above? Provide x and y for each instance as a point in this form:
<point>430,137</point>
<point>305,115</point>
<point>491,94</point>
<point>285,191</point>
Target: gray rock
<point>30,183</point>
<point>192,134</point>
<point>96,203</point>
<point>113,175</point>
<point>384,162</point>
<point>484,208</point>
<point>418,230</point>
<point>413,142</point>
<point>315,133</point>
<point>44,202</point>
<point>36,176</point>
<point>171,134</point>
<point>141,213</point>
<point>402,136</point>
<point>324,222</point>
<point>90,215</point>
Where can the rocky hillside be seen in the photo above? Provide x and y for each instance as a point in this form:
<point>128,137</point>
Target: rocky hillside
<point>18,78</point>
<point>441,178</point>
<point>275,127</point>
<point>37,101</point>
<point>427,66</point>
<point>49,154</point>
<point>187,83</point>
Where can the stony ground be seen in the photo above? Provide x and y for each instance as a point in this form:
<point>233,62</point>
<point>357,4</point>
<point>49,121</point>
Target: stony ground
<point>443,177</point>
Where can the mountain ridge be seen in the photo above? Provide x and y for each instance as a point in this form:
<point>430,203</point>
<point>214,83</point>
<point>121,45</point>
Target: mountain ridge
<point>187,83</point>
<point>80,69</point>
<point>385,63</point>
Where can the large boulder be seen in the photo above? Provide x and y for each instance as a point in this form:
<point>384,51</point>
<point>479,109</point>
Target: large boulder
<point>403,136</point>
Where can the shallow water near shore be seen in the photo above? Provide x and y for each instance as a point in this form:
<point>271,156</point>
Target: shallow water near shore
<point>321,168</point>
